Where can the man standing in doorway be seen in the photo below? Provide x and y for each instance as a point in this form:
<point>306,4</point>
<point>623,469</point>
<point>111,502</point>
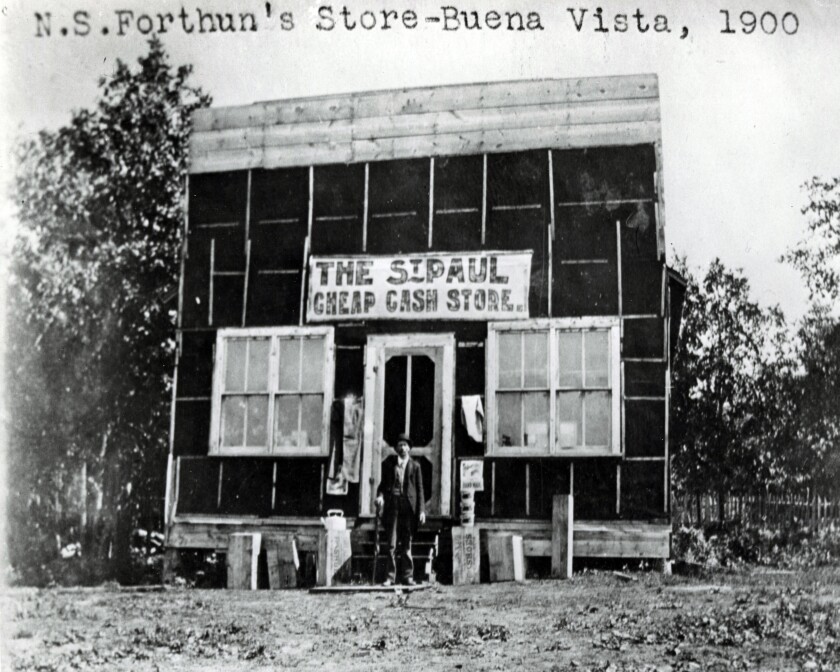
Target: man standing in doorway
<point>400,492</point>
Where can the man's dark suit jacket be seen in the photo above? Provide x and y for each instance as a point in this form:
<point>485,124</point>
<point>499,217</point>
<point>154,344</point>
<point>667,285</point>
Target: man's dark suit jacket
<point>412,485</point>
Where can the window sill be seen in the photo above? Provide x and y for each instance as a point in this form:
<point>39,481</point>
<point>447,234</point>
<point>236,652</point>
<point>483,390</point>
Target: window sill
<point>515,451</point>
<point>315,451</point>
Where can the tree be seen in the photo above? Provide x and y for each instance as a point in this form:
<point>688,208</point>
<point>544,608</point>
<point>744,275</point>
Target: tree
<point>732,394</point>
<point>754,405</point>
<point>817,257</point>
<point>91,314</point>
<point>818,260</point>
<point>818,419</point>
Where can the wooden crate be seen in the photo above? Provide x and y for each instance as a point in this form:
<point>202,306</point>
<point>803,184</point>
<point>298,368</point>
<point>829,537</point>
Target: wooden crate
<point>466,555</point>
<point>334,554</point>
<point>506,557</point>
<point>282,559</point>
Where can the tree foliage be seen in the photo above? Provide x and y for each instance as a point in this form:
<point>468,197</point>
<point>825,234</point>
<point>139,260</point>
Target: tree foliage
<point>732,395</point>
<point>755,399</point>
<point>818,419</point>
<point>91,309</point>
<point>817,257</point>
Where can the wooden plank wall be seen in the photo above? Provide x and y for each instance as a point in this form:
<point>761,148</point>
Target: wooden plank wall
<point>434,121</point>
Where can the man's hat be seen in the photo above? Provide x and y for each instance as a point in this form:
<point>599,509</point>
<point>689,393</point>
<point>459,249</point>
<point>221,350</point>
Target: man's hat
<point>406,438</point>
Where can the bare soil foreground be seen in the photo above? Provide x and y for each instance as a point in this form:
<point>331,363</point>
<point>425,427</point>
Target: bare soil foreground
<point>763,620</point>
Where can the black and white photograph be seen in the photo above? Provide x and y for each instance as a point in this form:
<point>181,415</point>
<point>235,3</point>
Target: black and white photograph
<point>405,335</point>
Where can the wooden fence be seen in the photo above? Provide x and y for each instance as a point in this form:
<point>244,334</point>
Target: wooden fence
<point>774,510</point>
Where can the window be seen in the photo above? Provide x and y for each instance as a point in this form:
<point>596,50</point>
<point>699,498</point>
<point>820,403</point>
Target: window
<point>272,390</point>
<point>553,387</point>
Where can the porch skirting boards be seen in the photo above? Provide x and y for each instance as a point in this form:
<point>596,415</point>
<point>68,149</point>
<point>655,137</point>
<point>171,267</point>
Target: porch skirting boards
<point>592,538</point>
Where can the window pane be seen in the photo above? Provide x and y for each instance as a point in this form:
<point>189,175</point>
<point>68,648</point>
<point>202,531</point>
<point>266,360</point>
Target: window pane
<point>258,365</point>
<point>233,421</point>
<point>536,359</point>
<point>536,420</point>
<point>289,363</point>
<point>569,346</point>
<point>313,366</point>
<point>258,421</point>
<point>569,430</point>
<point>286,421</point>
<point>235,365</point>
<point>509,419</point>
<point>597,357</point>
<point>597,418</point>
<point>510,360</point>
<point>311,420</point>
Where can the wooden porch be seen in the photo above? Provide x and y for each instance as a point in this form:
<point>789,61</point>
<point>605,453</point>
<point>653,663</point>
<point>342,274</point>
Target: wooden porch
<point>592,538</point>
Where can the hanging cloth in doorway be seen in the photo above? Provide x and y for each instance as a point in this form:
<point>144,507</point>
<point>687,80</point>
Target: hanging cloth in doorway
<point>345,449</point>
<point>336,482</point>
<point>353,415</point>
<point>472,417</point>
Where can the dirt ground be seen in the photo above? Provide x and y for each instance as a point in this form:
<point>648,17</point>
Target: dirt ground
<point>762,620</point>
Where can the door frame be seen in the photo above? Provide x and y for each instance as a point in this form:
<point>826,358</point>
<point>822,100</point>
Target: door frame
<point>375,352</point>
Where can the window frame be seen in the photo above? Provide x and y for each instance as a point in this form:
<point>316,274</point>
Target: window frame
<point>274,334</point>
<point>553,326</point>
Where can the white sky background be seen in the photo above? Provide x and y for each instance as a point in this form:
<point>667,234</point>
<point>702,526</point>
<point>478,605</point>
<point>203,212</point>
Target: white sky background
<point>746,119</point>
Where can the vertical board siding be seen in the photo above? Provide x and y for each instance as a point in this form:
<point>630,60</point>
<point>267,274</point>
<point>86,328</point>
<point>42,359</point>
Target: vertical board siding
<point>642,489</point>
<point>338,209</point>
<point>518,214</point>
<point>398,206</point>
<point>192,427</point>
<point>458,203</point>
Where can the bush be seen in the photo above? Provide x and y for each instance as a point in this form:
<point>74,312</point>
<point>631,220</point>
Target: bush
<point>736,544</point>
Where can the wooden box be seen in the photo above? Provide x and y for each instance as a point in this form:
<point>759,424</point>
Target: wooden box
<point>466,555</point>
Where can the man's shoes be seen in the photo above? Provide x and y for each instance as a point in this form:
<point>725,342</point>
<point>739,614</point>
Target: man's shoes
<point>410,582</point>
<point>387,583</point>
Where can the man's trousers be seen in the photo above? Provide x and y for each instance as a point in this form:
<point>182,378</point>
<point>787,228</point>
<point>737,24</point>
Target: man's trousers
<point>399,521</point>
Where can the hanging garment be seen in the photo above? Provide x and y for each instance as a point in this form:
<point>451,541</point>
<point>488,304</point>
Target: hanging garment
<point>353,418</point>
<point>336,480</point>
<point>345,449</point>
<point>472,417</point>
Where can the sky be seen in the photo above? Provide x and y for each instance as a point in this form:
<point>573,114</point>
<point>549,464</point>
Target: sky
<point>750,108</point>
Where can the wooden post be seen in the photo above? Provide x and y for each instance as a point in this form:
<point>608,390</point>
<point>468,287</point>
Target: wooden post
<point>83,497</point>
<point>562,517</point>
<point>466,555</point>
<point>507,560</point>
<point>171,564</point>
<point>242,557</point>
<point>552,227</point>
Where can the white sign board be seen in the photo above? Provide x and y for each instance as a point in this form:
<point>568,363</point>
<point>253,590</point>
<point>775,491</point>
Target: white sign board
<point>472,475</point>
<point>440,286</point>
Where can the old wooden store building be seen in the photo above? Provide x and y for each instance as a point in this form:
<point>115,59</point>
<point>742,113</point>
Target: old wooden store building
<point>480,266</point>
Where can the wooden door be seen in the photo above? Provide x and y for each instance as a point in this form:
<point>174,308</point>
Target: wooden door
<point>410,380</point>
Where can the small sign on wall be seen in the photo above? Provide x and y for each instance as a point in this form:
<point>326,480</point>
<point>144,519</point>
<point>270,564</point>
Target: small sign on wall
<point>472,475</point>
<point>479,285</point>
